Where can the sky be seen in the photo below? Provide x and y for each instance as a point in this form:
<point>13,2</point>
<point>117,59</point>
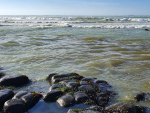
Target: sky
<point>74,7</point>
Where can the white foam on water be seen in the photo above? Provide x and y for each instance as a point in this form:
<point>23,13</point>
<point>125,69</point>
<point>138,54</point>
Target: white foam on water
<point>81,22</point>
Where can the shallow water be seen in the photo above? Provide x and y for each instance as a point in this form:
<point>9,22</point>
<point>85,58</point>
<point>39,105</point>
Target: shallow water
<point>119,56</point>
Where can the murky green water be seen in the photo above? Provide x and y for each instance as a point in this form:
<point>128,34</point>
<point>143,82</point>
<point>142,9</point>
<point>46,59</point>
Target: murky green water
<point>119,56</point>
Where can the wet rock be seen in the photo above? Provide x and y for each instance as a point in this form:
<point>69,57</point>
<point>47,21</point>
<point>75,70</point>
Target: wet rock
<point>28,100</point>
<point>19,94</point>
<point>140,97</point>
<point>100,81</point>
<point>86,88</point>
<point>146,29</point>
<point>71,85</point>
<point>16,80</point>
<point>82,111</point>
<point>4,96</point>
<point>14,106</point>
<point>83,83</point>
<point>125,108</point>
<point>86,79</point>
<point>54,86</point>
<point>50,76</point>
<point>53,95</point>
<point>93,109</point>
<point>1,74</point>
<point>66,101</point>
<point>102,101</point>
<point>65,76</point>
<point>80,96</point>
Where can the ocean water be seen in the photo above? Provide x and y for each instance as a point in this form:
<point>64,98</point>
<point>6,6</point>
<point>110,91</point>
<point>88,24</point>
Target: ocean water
<point>112,48</point>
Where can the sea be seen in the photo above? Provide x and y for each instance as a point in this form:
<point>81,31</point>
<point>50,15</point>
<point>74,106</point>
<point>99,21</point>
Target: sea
<point>111,48</point>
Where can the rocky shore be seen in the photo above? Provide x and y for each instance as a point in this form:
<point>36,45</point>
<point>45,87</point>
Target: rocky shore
<point>67,90</point>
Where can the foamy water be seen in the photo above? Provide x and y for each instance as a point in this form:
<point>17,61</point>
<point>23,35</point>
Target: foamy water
<point>115,49</point>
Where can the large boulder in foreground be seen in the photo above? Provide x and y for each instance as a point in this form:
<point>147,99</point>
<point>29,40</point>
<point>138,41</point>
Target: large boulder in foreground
<point>4,96</point>
<point>14,106</point>
<point>125,108</point>
<point>15,80</point>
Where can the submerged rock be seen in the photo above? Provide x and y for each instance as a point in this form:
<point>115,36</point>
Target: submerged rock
<point>15,80</point>
<point>53,95</point>
<point>14,106</point>
<point>66,101</point>
<point>4,96</point>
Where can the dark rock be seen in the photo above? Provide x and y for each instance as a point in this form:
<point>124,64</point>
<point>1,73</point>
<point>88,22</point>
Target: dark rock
<point>140,97</point>
<point>86,88</point>
<point>54,86</point>
<point>100,81</point>
<point>87,79</point>
<point>4,96</point>
<point>19,94</point>
<point>146,29</point>
<point>80,96</point>
<point>82,111</point>
<point>125,108</point>
<point>37,97</point>
<point>83,83</point>
<point>53,95</point>
<point>93,109</point>
<point>14,106</point>
<point>16,80</point>
<point>65,76</point>
<point>102,101</point>
<point>50,76</point>
<point>28,100</point>
<point>66,101</point>
<point>64,82</point>
<point>1,74</point>
<point>71,85</point>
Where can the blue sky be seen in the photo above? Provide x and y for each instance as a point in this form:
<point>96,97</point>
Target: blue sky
<point>74,7</point>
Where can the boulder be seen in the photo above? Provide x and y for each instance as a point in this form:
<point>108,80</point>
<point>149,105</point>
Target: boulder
<point>14,106</point>
<point>71,85</point>
<point>50,76</point>
<point>125,108</point>
<point>54,86</point>
<point>83,83</point>
<point>16,80</point>
<point>65,76</point>
<point>28,100</point>
<point>86,88</point>
<point>52,95</point>
<point>4,96</point>
<point>146,29</point>
<point>87,79</point>
<point>66,101</point>
<point>19,94</point>
<point>102,101</point>
<point>82,111</point>
<point>80,96</point>
<point>1,74</point>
